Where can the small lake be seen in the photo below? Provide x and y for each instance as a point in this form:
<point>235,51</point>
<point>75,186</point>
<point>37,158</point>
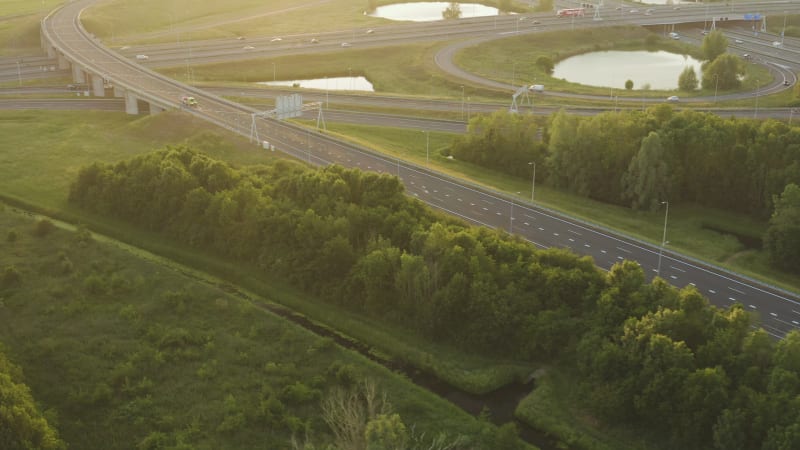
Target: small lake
<point>659,70</point>
<point>327,84</point>
<point>429,11</point>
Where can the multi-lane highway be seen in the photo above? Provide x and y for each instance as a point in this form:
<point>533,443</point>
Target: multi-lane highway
<point>780,311</point>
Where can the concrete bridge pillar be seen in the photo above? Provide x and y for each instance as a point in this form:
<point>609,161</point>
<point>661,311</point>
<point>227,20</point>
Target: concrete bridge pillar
<point>131,103</point>
<point>51,51</point>
<point>155,109</point>
<point>63,63</point>
<point>78,75</point>
<point>98,90</point>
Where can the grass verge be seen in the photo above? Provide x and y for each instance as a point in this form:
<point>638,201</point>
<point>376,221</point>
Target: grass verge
<point>553,407</point>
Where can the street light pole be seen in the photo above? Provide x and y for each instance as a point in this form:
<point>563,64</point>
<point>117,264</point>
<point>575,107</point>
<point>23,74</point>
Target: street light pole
<point>462,102</point>
<point>427,147</point>
<point>783,33</point>
<point>716,86</point>
<point>533,180</point>
<point>514,75</point>
<point>755,111</point>
<point>663,238</point>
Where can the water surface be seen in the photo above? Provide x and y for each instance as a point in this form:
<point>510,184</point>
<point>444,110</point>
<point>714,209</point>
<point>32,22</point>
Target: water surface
<point>429,11</point>
<point>659,70</point>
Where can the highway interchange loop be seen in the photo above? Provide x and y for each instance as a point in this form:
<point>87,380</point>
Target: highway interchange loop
<point>779,310</point>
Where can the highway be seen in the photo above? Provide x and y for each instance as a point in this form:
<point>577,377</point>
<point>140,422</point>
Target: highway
<point>263,99</point>
<point>779,311</point>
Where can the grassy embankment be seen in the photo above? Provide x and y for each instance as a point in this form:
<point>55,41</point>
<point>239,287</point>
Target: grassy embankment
<point>154,21</point>
<point>19,25</point>
<point>123,348</point>
<point>45,151</point>
<point>554,407</point>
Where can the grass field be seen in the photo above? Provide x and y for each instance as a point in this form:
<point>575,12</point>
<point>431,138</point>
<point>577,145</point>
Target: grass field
<point>406,69</point>
<point>19,25</point>
<point>123,350</point>
<point>149,21</point>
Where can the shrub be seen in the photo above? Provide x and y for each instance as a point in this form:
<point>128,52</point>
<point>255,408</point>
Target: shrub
<point>94,284</point>
<point>43,227</point>
<point>11,277</point>
<point>11,236</point>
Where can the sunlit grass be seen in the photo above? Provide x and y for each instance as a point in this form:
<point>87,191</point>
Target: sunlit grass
<point>138,21</point>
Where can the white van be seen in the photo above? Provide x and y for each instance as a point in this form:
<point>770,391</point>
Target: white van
<point>536,88</point>
<point>142,57</point>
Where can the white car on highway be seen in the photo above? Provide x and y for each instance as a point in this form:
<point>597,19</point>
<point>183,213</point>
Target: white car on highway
<point>142,57</point>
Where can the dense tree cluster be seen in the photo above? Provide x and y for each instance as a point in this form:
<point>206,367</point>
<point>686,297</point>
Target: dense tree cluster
<point>698,375</point>
<point>631,158</point>
<point>782,240</point>
<point>22,425</point>
<point>357,240</point>
<point>648,354</point>
<point>502,141</point>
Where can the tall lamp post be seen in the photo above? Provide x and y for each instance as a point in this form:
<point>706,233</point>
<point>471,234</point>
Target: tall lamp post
<point>427,147</point>
<point>533,180</point>
<point>663,238</point>
<point>755,111</point>
<point>462,102</point>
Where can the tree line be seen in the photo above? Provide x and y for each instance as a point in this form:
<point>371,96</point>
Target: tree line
<point>647,353</point>
<point>639,158</point>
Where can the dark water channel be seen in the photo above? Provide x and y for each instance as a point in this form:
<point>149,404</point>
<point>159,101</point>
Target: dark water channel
<point>501,403</point>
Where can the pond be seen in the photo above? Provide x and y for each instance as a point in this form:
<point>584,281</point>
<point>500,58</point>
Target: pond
<point>429,11</point>
<point>647,70</point>
<point>327,84</point>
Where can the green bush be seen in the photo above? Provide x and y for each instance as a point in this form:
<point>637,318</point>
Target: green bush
<point>11,277</point>
<point>43,227</point>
